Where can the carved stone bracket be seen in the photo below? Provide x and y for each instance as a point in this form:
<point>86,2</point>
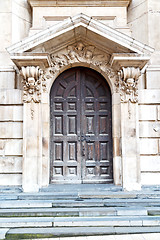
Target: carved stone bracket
<point>80,53</point>
<point>128,84</point>
<point>32,84</point>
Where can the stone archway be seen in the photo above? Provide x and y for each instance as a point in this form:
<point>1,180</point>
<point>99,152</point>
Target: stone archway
<point>90,44</point>
<point>81,128</point>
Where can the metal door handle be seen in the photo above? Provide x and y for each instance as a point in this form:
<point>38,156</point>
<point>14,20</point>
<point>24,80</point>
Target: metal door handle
<point>83,149</point>
<point>83,138</point>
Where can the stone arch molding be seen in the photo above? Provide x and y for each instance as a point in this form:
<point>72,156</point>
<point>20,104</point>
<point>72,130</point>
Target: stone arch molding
<point>79,54</point>
<point>36,81</point>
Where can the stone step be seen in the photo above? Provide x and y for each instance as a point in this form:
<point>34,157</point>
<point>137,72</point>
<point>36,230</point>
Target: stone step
<point>78,195</point>
<point>25,204</point>
<point>10,190</point>
<point>30,233</point>
<point>26,222</point>
<point>132,202</point>
<point>109,221</point>
<point>8,197</point>
<point>103,211</point>
<point>119,195</point>
<point>153,211</point>
<point>80,203</point>
<point>81,188</point>
<point>131,211</point>
<point>94,211</point>
<point>106,202</point>
<point>47,196</point>
<point>78,191</point>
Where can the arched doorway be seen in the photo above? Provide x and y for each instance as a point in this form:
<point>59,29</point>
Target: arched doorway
<point>81,128</point>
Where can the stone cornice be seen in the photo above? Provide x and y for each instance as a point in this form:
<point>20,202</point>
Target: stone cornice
<point>33,59</point>
<point>129,68</point>
<point>118,61</point>
<point>76,3</point>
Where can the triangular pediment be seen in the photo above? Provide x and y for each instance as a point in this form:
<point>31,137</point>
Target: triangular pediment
<point>80,28</point>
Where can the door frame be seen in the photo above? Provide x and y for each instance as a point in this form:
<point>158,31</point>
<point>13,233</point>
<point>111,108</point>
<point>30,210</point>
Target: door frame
<point>42,117</point>
<point>116,123</point>
<point>79,75</point>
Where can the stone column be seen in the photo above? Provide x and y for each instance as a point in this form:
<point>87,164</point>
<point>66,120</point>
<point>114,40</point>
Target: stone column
<point>32,129</point>
<point>128,86</point>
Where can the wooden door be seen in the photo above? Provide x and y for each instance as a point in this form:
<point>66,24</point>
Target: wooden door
<point>81,140</point>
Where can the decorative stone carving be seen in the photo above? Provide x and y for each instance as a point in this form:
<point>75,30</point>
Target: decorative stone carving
<point>128,84</point>
<point>80,53</point>
<point>32,84</point>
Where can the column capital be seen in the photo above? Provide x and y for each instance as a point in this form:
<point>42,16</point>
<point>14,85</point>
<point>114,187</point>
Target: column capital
<point>128,83</point>
<point>32,83</point>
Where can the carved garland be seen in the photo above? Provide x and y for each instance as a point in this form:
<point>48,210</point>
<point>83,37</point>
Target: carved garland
<point>79,53</point>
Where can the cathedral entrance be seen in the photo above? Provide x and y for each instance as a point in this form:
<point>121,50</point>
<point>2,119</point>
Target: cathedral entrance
<point>81,128</point>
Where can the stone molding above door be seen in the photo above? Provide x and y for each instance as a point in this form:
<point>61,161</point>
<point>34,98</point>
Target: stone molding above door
<point>62,3</point>
<point>80,41</point>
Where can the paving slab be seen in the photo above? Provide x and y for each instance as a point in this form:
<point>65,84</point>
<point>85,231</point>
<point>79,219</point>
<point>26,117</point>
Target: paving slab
<point>153,236</point>
<point>149,236</point>
<point>137,237</point>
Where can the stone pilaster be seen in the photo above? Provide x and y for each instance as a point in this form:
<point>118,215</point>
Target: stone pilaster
<point>32,128</point>
<point>128,87</point>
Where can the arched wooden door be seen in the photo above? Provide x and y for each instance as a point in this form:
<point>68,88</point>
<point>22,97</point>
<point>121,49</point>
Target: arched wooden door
<point>81,135</point>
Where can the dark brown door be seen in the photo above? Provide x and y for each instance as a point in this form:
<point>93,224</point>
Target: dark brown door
<point>81,139</point>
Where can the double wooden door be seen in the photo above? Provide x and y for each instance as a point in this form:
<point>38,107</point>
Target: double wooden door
<point>81,139</point>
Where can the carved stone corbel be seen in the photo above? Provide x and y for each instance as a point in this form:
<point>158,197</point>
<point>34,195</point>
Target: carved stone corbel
<point>128,84</point>
<point>32,84</point>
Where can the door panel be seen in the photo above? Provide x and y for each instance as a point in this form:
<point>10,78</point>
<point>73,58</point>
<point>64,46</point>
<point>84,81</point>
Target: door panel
<point>81,141</point>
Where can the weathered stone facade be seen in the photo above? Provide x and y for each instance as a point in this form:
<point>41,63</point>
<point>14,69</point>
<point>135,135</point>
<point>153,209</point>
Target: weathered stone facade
<point>119,40</point>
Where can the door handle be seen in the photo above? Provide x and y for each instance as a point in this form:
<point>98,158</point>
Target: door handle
<point>83,149</point>
<point>83,138</point>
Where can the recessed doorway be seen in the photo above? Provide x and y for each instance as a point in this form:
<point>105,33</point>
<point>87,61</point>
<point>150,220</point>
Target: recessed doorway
<point>81,128</point>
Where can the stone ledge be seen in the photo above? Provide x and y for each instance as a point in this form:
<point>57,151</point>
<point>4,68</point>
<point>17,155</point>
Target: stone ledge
<point>76,3</point>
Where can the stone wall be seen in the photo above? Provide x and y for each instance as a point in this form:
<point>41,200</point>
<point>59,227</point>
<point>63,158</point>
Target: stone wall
<point>15,21</point>
<point>11,136</point>
<point>46,14</point>
<point>143,17</point>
